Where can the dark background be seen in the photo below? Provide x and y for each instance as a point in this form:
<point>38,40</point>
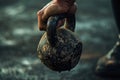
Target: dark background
<point>19,37</point>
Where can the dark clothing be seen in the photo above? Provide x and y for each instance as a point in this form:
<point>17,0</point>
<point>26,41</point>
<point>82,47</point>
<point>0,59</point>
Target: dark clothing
<point>116,10</point>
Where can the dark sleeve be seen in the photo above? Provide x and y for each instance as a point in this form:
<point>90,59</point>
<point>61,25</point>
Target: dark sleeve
<point>116,10</point>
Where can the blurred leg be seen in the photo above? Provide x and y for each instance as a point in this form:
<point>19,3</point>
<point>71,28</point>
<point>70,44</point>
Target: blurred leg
<point>116,10</point>
<point>109,65</point>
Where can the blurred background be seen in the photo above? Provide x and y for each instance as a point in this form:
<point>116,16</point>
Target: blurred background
<point>19,37</point>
